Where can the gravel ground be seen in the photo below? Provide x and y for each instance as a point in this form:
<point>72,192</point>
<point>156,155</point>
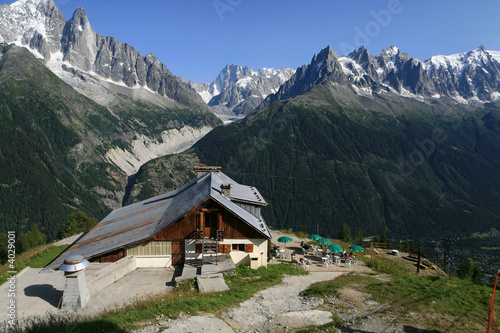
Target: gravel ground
<point>280,307</point>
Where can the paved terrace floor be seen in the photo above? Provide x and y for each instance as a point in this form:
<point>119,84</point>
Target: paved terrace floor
<point>39,293</point>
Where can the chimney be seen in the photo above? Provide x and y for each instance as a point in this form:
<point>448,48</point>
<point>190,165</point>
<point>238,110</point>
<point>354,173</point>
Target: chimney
<point>225,189</point>
<point>76,294</point>
<point>202,170</point>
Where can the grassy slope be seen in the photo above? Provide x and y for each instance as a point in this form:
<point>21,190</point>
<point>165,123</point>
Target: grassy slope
<point>37,257</point>
<point>442,304</point>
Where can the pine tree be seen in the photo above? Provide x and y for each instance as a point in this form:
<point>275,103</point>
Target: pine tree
<point>383,236</point>
<point>3,248</point>
<point>78,222</point>
<point>476,275</point>
<point>358,236</point>
<point>31,238</point>
<point>468,270</point>
<point>345,233</point>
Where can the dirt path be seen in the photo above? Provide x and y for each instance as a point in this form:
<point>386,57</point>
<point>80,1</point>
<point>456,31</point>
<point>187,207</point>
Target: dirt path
<point>281,307</point>
<point>275,309</point>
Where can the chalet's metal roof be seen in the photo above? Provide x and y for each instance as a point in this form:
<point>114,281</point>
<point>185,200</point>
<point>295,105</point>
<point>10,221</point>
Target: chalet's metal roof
<point>140,221</point>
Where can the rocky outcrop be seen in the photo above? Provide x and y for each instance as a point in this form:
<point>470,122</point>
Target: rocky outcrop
<point>41,27</point>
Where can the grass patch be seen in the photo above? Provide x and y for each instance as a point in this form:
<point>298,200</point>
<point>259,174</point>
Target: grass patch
<point>456,297</point>
<point>331,327</point>
<point>328,288</point>
<point>37,257</point>
<point>46,257</point>
<point>387,266</point>
<point>184,299</point>
<point>447,305</point>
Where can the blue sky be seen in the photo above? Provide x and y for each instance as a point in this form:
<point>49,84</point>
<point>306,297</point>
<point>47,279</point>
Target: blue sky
<point>197,38</point>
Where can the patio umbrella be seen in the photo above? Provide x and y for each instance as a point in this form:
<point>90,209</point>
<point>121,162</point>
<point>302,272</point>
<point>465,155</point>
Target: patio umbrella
<point>323,241</point>
<point>356,248</point>
<point>284,239</point>
<point>314,237</point>
<point>335,248</point>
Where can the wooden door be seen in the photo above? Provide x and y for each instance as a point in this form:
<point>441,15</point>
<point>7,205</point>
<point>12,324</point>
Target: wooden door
<point>209,221</point>
<point>178,253</point>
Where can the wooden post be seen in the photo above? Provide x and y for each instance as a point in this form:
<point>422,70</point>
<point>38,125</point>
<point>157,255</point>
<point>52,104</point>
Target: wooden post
<point>419,253</point>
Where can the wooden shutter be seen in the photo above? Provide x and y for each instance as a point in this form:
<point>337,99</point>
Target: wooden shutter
<point>249,248</point>
<point>198,248</point>
<point>227,248</point>
<point>221,248</point>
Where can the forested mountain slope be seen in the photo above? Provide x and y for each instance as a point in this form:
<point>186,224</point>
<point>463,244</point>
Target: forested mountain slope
<point>54,144</point>
<point>329,156</point>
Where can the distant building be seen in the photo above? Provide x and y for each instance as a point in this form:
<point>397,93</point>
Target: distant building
<point>209,216</point>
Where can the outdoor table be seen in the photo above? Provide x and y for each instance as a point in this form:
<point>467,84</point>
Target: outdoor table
<point>282,254</point>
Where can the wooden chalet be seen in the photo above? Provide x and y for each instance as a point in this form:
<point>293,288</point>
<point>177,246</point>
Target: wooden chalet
<point>209,216</point>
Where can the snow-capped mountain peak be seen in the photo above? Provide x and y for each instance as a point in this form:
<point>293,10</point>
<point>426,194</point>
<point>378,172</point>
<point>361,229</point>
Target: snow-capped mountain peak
<point>390,52</point>
<point>238,90</point>
<point>25,22</point>
<point>470,77</point>
<point>72,49</point>
<point>477,57</point>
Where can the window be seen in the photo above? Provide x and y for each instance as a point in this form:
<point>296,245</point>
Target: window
<point>238,247</point>
<point>151,249</point>
<point>243,247</point>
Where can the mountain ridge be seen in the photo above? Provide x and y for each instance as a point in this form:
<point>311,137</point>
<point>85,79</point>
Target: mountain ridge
<point>466,78</point>
<point>41,27</point>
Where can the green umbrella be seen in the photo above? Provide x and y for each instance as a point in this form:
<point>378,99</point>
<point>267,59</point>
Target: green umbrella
<point>335,248</point>
<point>284,239</point>
<point>314,237</point>
<point>323,241</point>
<point>356,248</point>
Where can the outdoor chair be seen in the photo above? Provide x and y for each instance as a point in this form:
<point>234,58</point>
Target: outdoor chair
<point>281,254</point>
<point>348,263</point>
<point>325,261</point>
<point>337,260</point>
